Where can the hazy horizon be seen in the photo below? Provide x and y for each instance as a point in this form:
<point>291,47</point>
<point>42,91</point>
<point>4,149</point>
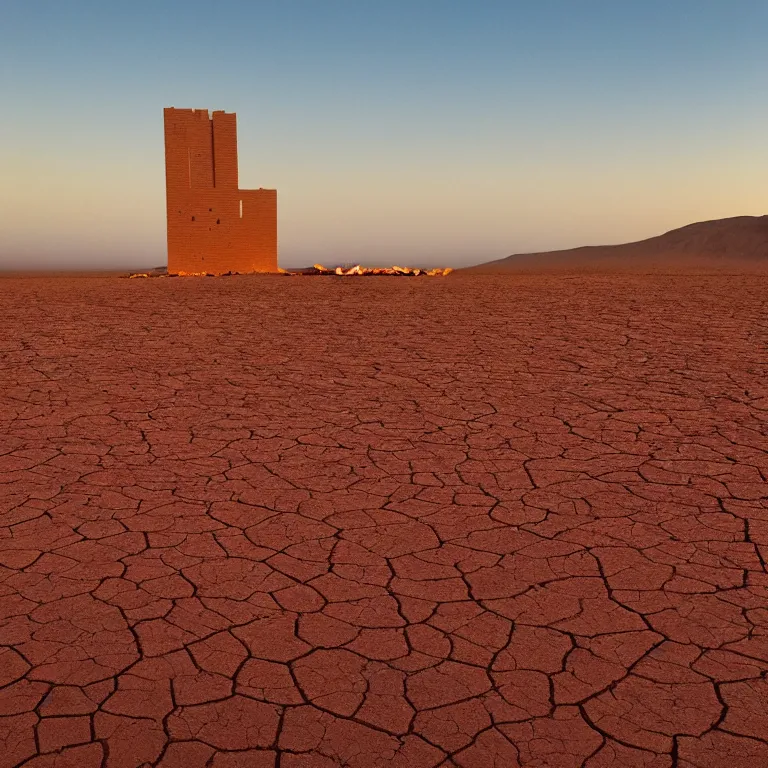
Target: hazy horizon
<point>444,134</point>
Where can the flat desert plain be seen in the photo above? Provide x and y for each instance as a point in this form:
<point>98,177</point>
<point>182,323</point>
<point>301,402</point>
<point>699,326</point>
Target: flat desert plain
<point>475,521</point>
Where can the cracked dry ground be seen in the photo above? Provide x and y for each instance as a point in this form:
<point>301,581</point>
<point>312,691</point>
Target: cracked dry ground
<point>303,523</point>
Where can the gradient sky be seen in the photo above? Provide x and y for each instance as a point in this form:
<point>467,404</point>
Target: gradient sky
<point>446,132</point>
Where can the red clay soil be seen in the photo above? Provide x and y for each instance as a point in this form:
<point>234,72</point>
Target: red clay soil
<point>303,523</point>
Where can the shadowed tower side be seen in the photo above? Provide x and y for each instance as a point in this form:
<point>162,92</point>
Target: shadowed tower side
<point>212,225</point>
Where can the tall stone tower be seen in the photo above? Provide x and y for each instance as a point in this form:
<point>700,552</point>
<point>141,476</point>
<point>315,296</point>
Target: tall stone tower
<point>212,225</point>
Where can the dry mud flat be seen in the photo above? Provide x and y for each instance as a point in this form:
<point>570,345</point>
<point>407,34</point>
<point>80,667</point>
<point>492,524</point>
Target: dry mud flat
<point>316,522</point>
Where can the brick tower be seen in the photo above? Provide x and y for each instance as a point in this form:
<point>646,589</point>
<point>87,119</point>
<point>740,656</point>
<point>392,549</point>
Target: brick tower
<point>212,225</point>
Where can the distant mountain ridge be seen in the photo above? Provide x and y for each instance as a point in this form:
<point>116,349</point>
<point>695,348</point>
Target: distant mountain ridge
<point>720,242</point>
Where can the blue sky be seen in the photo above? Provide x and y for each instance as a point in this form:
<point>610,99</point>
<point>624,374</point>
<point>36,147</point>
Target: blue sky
<point>449,133</point>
